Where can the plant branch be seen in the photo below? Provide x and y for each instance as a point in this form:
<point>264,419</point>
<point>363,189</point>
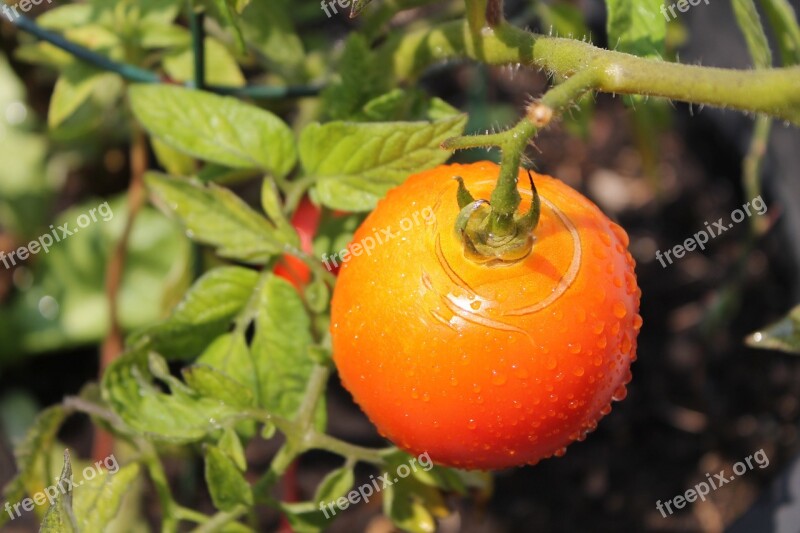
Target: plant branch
<point>771,91</point>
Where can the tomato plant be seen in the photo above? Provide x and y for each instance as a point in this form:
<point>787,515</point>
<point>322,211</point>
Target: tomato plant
<point>290,221</point>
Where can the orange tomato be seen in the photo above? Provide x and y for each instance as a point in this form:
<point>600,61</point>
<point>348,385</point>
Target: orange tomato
<point>485,367</point>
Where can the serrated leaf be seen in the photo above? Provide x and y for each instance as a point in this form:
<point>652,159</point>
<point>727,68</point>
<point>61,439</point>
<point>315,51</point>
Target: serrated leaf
<point>216,216</point>
<point>33,456</point>
<point>59,517</point>
<point>215,128</point>
<point>129,389</point>
<point>98,501</point>
<point>230,355</point>
<point>357,163</point>
<point>204,314</point>
<point>281,349</point>
<point>226,484</point>
<point>637,27</point>
<point>362,77</point>
<point>212,383</point>
<point>335,485</point>
<point>750,23</point>
<point>783,335</point>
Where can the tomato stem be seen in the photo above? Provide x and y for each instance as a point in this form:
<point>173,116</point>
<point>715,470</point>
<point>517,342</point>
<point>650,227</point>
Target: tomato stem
<point>495,231</point>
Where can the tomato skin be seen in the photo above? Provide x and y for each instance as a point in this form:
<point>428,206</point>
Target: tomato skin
<point>306,221</point>
<point>481,366</point>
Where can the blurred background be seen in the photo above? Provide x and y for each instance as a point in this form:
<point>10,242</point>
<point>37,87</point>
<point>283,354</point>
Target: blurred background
<point>701,398</point>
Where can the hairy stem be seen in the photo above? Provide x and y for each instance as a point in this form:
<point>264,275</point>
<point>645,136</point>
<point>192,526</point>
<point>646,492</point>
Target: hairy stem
<point>771,91</point>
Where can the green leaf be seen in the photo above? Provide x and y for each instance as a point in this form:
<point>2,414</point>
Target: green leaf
<point>70,280</point>
<point>215,128</point>
<point>304,517</point>
<point>204,314</point>
<point>783,335</point>
<point>268,27</point>
<point>402,104</point>
<point>215,216</point>
<point>75,85</point>
<point>220,66</point>
<point>226,11</point>
<point>271,203</point>
<point>281,349</point>
<point>231,444</point>
<point>406,509</point>
<point>230,355</point>
<point>98,501</point>
<point>174,161</point>
<point>59,517</point>
<point>784,24</point>
<point>358,7</point>
<point>357,163</point>
<point>637,27</point>
<point>212,383</point>
<point>129,389</point>
<point>565,20</point>
<point>227,485</point>
<point>335,485</point>
<point>67,17</point>
<point>33,457</point>
<point>363,76</point>
<point>750,23</point>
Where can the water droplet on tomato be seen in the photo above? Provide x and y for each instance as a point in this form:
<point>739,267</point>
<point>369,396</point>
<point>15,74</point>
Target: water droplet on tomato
<point>551,363</point>
<point>414,393</point>
<point>575,348</point>
<point>578,371</point>
<point>637,322</point>
<point>498,378</point>
<point>619,309</point>
<point>560,452</point>
<point>620,394</point>
<point>472,424</point>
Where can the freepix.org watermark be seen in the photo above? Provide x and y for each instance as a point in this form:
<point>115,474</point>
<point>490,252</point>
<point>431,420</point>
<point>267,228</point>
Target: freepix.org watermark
<point>57,234</point>
<point>703,489</point>
<point>682,5</point>
<point>367,490</point>
<point>62,487</point>
<point>330,5</point>
<point>24,5</point>
<point>712,231</point>
<point>368,243</point>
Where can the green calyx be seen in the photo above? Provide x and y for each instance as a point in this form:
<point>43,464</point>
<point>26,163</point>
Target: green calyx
<point>476,228</point>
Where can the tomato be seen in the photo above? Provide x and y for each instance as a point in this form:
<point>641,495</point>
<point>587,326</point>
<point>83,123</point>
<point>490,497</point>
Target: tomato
<point>305,220</point>
<point>485,367</point>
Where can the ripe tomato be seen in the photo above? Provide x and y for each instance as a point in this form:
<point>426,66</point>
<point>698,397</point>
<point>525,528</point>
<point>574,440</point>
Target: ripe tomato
<point>305,220</point>
<point>485,366</point>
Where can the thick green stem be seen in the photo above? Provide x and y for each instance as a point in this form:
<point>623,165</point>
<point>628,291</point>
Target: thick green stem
<point>770,91</point>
